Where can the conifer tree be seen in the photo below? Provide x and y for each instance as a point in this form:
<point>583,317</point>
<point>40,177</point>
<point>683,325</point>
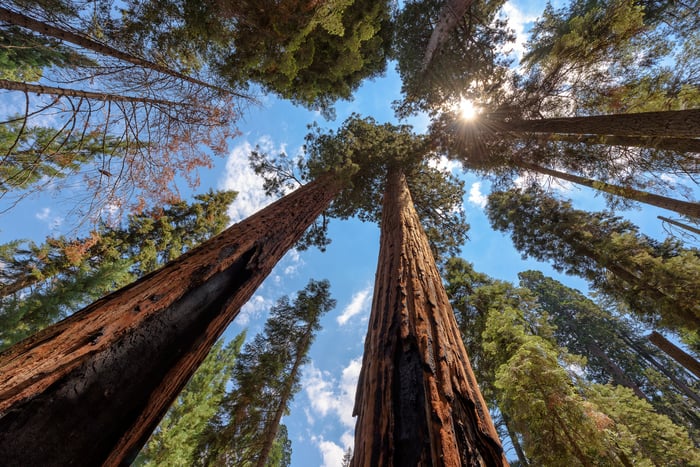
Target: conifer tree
<point>265,378</point>
<point>174,441</point>
<point>44,283</point>
<point>656,279</point>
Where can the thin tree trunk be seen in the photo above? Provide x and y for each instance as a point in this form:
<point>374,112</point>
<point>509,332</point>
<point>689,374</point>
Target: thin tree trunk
<point>672,123</point>
<point>80,40</point>
<point>676,353</point>
<point>272,428</point>
<point>680,224</point>
<point>417,399</point>
<point>90,389</point>
<point>16,286</point>
<point>100,96</point>
<point>661,368</point>
<point>522,458</point>
<point>616,372</point>
<point>667,144</point>
<point>681,207</point>
<point>451,14</point>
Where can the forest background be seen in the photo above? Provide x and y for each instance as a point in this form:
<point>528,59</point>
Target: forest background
<point>320,423</point>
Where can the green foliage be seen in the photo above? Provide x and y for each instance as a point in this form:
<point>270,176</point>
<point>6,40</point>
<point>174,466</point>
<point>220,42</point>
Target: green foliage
<point>174,441</point>
<point>656,279</point>
<point>265,379</point>
<point>43,283</point>
<point>467,64</point>
<point>24,55</point>
<point>362,152</point>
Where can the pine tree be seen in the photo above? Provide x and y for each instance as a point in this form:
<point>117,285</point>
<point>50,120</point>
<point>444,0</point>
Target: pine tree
<point>44,283</point>
<point>174,441</point>
<point>265,379</point>
<point>656,279</point>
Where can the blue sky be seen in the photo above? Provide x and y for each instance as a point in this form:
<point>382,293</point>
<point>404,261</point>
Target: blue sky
<point>320,422</point>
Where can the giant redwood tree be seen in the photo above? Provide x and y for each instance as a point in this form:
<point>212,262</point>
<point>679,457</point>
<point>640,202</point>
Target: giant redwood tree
<point>417,401</point>
<point>94,386</point>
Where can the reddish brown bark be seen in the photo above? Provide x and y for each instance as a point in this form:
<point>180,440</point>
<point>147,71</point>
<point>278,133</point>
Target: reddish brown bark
<point>681,207</point>
<point>618,375</point>
<point>673,123</point>
<point>90,389</point>
<point>676,353</point>
<point>451,14</point>
<point>417,399</point>
<point>666,144</point>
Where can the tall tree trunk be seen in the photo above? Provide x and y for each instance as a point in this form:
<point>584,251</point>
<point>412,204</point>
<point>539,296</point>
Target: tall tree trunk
<point>522,458</point>
<point>615,371</point>
<point>680,224</point>
<point>679,206</point>
<point>451,14</point>
<point>661,368</point>
<point>273,426</point>
<point>90,389</point>
<point>417,399</point>
<point>676,353</point>
<point>89,44</point>
<point>672,123</point>
<point>100,96</point>
<point>667,144</point>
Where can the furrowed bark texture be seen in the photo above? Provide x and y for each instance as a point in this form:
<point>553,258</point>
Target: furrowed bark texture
<point>417,399</point>
<point>681,207</point>
<point>675,352</point>
<point>90,389</point>
<point>675,123</point>
<point>666,144</point>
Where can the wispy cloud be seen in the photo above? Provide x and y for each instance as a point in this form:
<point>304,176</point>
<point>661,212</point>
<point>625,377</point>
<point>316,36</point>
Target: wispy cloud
<point>328,395</point>
<point>360,303</point>
<point>520,21</point>
<point>46,215</point>
<point>476,196</point>
<point>256,306</point>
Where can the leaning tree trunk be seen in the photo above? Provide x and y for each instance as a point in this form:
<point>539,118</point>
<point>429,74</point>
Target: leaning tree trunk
<point>90,389</point>
<point>681,207</point>
<point>675,352</point>
<point>80,40</point>
<point>681,145</point>
<point>272,427</point>
<point>451,13</point>
<point>100,96</point>
<point>687,227</point>
<point>618,375</point>
<point>672,123</point>
<point>417,399</point>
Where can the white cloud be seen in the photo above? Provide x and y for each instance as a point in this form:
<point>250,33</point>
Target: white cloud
<point>53,221</point>
<point>328,396</point>
<point>519,21</point>
<point>294,262</point>
<point>444,164</point>
<point>476,196</point>
<point>256,306</point>
<point>360,303</point>
<point>240,177</point>
<point>332,453</point>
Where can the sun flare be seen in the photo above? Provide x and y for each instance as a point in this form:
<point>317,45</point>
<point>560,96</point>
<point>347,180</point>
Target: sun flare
<point>466,109</point>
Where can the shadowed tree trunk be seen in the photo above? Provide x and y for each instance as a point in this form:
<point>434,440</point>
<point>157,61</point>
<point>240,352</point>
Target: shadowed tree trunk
<point>522,458</point>
<point>417,399</point>
<point>676,353</point>
<point>673,123</point>
<point>90,389</point>
<point>451,13</point>
<point>666,144</point>
<point>681,207</point>
<point>615,371</point>
<point>687,227</point>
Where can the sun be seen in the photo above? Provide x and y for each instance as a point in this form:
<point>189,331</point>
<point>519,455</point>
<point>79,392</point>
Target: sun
<point>467,109</point>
